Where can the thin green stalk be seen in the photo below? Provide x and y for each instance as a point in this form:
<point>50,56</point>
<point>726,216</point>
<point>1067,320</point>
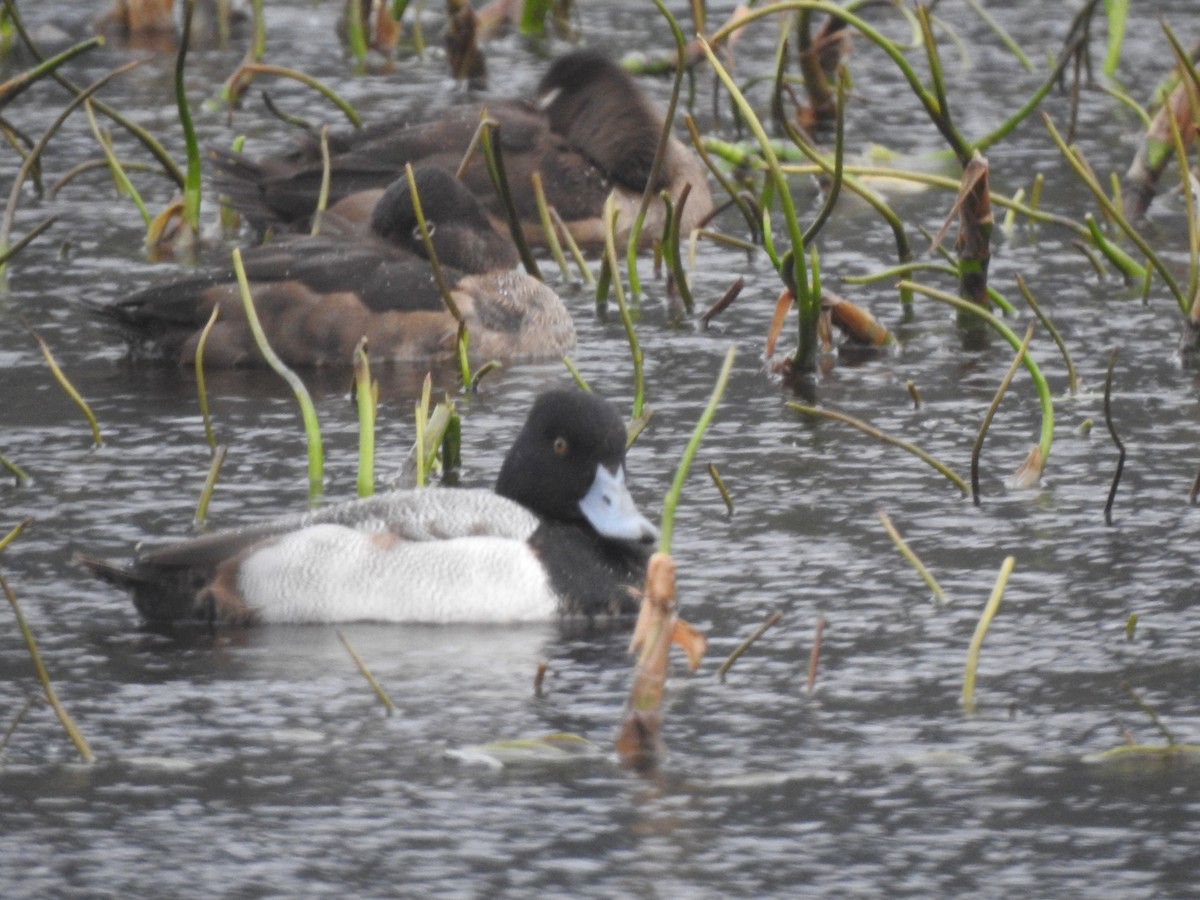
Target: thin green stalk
<point>1043,389</point>
<point>730,188</point>
<point>209,435</point>
<point>355,33</point>
<point>114,165</point>
<point>989,612</point>
<point>439,277</point>
<point>421,415</point>
<point>576,254</point>
<point>191,185</point>
<point>326,174</point>
<point>375,685</point>
<point>1189,203</point>
<point>257,68</point>
<point>312,429</point>
<point>32,235</point>
<point>1005,38</point>
<point>576,374</point>
<point>745,645</point>
<point>977,448</point>
<point>210,483</point>
<point>660,153</point>
<point>809,305</point>
<point>862,426</point>
<point>495,166</point>
<point>18,84</point>
<point>14,533</point>
<point>839,143</point>
<point>1107,205</point>
<point>722,488</point>
<point>366,398</point>
<point>66,385</point>
<point>548,229</point>
<point>13,469</point>
<point>64,717</point>
<point>1072,378</point>
<point>635,349</point>
<point>671,500</point>
<point>670,246</point>
<point>907,552</point>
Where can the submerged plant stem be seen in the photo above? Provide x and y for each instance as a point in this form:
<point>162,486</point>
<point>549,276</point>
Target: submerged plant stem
<point>1112,430</point>
<point>977,448</point>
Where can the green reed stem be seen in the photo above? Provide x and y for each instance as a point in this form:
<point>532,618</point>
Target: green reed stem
<point>210,483</point>
<point>635,349</point>
<point>114,165</point>
<point>977,447</point>
<point>1072,378</point>
<point>326,178</point>
<point>887,439</point>
<point>191,185</point>
<point>660,152</point>
<point>989,612</point>
<point>1046,439</point>
<point>548,229</point>
<point>66,385</point>
<point>64,717</point>
<point>1110,209</point>
<point>421,416</point>
<point>671,500</point>
<point>258,68</point>
<point>14,533</point>
<point>201,389</point>
<point>32,235</point>
<point>576,374</point>
<point>588,278</point>
<point>808,304</point>
<point>375,685</point>
<point>494,158</point>
<point>312,429</point>
<point>366,398</point>
<point>745,645</point>
<point>13,469</point>
<point>907,552</point>
<point>722,488</point>
<point>18,84</point>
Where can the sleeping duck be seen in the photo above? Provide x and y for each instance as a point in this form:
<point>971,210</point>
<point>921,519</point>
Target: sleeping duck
<point>317,296</point>
<point>591,130</point>
<point>560,535</point>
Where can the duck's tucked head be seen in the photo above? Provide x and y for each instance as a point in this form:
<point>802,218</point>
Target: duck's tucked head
<point>599,109</point>
<point>568,465</point>
<point>461,233</point>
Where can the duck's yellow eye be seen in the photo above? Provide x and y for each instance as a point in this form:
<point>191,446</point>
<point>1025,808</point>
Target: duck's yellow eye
<point>561,446</point>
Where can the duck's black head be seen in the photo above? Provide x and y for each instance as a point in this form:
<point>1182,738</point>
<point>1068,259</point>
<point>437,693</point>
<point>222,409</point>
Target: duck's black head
<point>462,236</point>
<point>599,109</point>
<point>568,465</point>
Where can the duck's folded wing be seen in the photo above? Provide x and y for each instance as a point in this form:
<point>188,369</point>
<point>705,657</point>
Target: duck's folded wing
<point>414,515</point>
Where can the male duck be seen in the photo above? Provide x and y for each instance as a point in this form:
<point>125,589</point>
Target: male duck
<point>317,296</point>
<point>591,130</point>
<point>560,536</point>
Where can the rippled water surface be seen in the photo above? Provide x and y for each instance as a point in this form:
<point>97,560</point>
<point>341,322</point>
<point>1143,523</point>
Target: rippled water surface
<point>260,763</point>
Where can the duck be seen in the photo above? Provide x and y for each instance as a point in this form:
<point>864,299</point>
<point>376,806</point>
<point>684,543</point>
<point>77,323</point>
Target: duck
<point>559,536</point>
<point>318,295</point>
<point>590,131</point>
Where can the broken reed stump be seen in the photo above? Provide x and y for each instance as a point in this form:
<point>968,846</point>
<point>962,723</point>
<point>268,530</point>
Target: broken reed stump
<point>639,739</point>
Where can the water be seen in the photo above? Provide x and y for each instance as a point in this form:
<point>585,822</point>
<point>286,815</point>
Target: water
<point>260,763</point>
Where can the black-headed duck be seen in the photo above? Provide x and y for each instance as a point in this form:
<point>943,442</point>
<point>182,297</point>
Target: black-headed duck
<point>560,535</point>
<point>590,130</point>
<point>317,296</point>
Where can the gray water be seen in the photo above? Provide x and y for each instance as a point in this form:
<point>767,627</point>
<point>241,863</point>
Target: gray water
<point>260,763</point>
